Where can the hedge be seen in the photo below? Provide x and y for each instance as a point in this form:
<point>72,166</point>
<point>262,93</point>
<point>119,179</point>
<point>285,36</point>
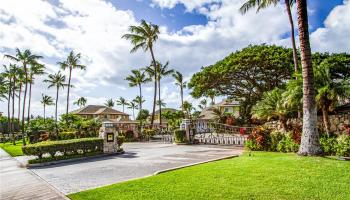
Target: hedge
<point>67,148</point>
<point>180,136</point>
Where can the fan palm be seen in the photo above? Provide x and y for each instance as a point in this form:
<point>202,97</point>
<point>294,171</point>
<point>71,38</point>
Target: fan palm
<point>56,80</point>
<point>261,4</point>
<point>143,37</point>
<point>25,58</point>
<point>35,69</point>
<point>137,78</point>
<point>46,101</point>
<point>180,82</point>
<point>109,103</point>
<point>122,102</point>
<point>132,105</point>
<point>71,63</point>
<point>81,102</point>
<point>162,71</point>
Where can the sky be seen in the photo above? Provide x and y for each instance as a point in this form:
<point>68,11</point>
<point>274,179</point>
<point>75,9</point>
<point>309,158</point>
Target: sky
<point>194,33</point>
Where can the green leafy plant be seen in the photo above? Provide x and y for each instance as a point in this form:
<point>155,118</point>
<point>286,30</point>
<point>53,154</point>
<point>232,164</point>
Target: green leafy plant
<point>328,144</point>
<point>287,144</point>
<point>343,146</point>
<point>259,139</point>
<point>180,136</point>
<point>66,135</point>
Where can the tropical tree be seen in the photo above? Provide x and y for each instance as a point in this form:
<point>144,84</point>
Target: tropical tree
<point>143,37</point>
<point>310,144</point>
<point>187,107</point>
<point>137,78</point>
<point>35,69</point>
<point>272,105</point>
<point>261,4</point>
<point>46,101</point>
<point>211,95</point>
<point>180,82</point>
<point>109,103</point>
<point>9,77</point>
<point>162,71</point>
<point>161,103</point>
<point>132,105</point>
<point>203,104</point>
<point>81,102</point>
<point>122,102</point>
<point>20,82</point>
<point>56,80</point>
<point>25,58</point>
<point>219,115</point>
<point>3,89</point>
<point>72,62</point>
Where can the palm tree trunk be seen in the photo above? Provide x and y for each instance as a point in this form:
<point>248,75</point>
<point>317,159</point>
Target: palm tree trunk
<point>160,105</point>
<point>310,144</point>
<point>140,104</point>
<point>295,55</point>
<point>56,110</point>
<point>13,106</point>
<point>24,102</point>
<point>325,119</point>
<point>155,86</point>
<point>182,97</point>
<point>8,107</point>
<point>19,101</point>
<point>133,113</point>
<point>70,74</point>
<point>44,113</point>
<point>29,98</point>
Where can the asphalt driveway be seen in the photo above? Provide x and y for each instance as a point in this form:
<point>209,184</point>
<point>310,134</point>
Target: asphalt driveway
<point>140,160</point>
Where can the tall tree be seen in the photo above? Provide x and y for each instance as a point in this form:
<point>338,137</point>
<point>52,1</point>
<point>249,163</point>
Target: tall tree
<point>122,102</point>
<point>137,78</point>
<point>162,71</point>
<point>25,58</point>
<point>46,101</point>
<point>261,4</point>
<point>188,107</point>
<point>13,72</point>
<point>211,95</point>
<point>56,80</point>
<point>72,62</point>
<point>7,74</point>
<point>3,89</point>
<point>203,104</point>
<point>35,69</point>
<point>132,105</point>
<point>20,81</point>
<point>143,37</point>
<point>109,103</point>
<point>180,82</point>
<point>81,102</point>
<point>310,144</point>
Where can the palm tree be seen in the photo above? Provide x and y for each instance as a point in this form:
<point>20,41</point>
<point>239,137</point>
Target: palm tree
<point>20,81</point>
<point>3,89</point>
<point>137,78</point>
<point>13,73</point>
<point>81,102</point>
<point>7,74</point>
<point>56,80</point>
<point>132,105</point>
<point>72,62</point>
<point>161,103</point>
<point>162,71</point>
<point>139,101</point>
<point>203,104</point>
<point>122,101</point>
<point>24,58</point>
<point>143,37</point>
<point>46,101</point>
<point>180,82</point>
<point>109,103</point>
<point>187,107</point>
<point>211,94</point>
<point>310,144</point>
<point>35,69</point>
<point>261,4</point>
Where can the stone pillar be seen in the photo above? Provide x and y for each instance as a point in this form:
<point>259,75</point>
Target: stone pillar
<point>109,133</point>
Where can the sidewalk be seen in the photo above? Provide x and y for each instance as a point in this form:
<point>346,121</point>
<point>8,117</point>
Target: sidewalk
<point>20,183</point>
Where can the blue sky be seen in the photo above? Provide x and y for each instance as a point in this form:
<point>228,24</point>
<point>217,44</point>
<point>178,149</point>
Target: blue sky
<point>194,33</point>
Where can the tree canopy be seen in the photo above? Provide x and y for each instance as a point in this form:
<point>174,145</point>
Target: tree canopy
<point>245,74</point>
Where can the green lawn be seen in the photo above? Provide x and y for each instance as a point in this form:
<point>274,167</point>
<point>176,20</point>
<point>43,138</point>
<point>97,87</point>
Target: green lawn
<point>260,176</point>
<point>13,150</point>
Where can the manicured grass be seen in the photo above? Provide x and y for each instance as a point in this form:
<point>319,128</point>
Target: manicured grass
<point>260,176</point>
<point>13,150</point>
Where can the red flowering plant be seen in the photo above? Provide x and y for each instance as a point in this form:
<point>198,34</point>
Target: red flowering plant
<point>259,139</point>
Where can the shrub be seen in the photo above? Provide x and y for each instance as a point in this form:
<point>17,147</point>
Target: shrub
<point>66,135</point>
<point>65,147</point>
<point>343,146</point>
<point>276,137</point>
<point>328,144</point>
<point>120,141</point>
<point>287,144</point>
<point>260,139</point>
<point>180,136</point>
<point>149,132</point>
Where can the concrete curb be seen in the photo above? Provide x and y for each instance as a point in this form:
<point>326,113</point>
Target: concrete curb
<point>44,164</point>
<point>193,164</point>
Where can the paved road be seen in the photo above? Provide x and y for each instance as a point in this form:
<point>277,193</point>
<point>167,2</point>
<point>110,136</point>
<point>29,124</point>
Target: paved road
<point>140,159</point>
<point>20,183</point>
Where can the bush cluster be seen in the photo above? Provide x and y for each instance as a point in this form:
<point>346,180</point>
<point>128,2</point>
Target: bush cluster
<point>180,136</point>
<point>262,139</point>
<point>66,148</point>
<point>332,145</point>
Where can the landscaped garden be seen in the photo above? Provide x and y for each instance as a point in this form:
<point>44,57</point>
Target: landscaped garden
<point>255,175</point>
<point>13,150</point>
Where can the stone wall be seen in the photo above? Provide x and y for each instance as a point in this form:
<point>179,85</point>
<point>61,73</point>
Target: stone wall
<point>337,122</point>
